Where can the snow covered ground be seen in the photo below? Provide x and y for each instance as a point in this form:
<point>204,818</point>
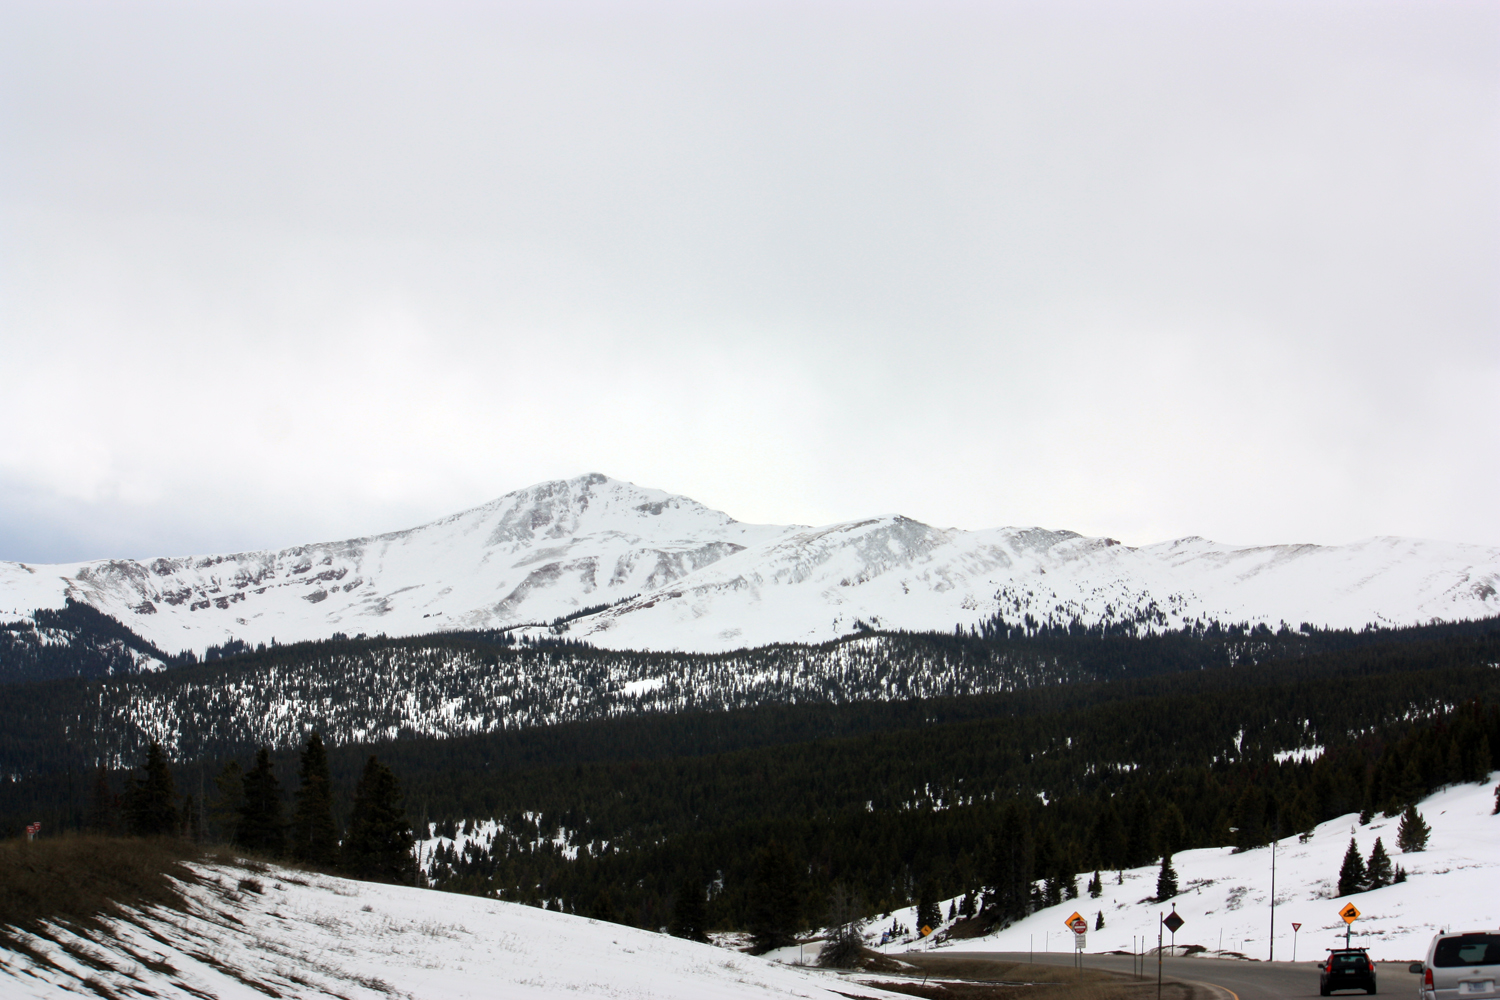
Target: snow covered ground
<point>294,934</point>
<point>1454,884</point>
<point>680,576</point>
<point>298,935</point>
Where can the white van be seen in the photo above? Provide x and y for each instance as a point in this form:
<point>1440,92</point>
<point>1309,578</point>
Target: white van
<point>1461,966</point>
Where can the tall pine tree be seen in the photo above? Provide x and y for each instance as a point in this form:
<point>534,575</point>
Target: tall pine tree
<point>929,914</point>
<point>1166,880</point>
<point>314,837</point>
<point>1352,872</point>
<point>775,899</point>
<point>1010,880</point>
<point>689,912</point>
<point>261,827</point>
<point>379,844</point>
<point>151,802</point>
<point>1378,870</point>
<point>224,810</point>
<point>1412,834</point>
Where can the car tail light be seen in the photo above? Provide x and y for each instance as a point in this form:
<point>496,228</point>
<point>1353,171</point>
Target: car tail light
<point>1330,965</point>
<point>1372,966</point>
<point>1427,979</point>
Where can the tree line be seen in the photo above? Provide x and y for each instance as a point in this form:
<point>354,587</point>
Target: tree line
<point>767,818</point>
<point>249,811</point>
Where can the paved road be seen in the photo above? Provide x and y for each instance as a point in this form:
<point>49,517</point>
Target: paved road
<point>1245,980</point>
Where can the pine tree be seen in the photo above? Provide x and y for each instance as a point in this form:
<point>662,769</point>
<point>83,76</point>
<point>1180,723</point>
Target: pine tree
<point>775,897</point>
<point>224,810</point>
<point>151,803</point>
<point>928,913</point>
<point>1096,887</point>
<point>1166,880</point>
<point>1496,810</point>
<point>1250,818</point>
<point>1352,872</point>
<point>314,837</point>
<point>1412,834</point>
<point>1010,880</point>
<point>191,820</point>
<point>1378,871</point>
<point>1108,835</point>
<point>1099,921</point>
<point>1173,833</point>
<point>1409,787</point>
<point>689,912</point>
<point>603,908</point>
<point>379,844</point>
<point>261,827</point>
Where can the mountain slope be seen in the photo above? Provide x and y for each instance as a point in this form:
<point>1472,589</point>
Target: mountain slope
<point>1454,884</point>
<point>673,574</point>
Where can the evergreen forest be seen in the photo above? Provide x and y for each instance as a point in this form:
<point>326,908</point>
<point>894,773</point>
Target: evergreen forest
<point>889,769</point>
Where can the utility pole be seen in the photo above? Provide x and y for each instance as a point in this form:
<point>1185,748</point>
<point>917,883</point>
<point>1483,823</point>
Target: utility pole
<point>1277,831</point>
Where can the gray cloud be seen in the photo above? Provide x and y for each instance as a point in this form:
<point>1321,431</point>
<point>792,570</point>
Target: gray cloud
<point>273,273</point>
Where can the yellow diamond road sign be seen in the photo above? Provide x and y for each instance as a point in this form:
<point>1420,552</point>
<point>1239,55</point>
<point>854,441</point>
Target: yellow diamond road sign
<point>1350,913</point>
<point>1076,923</point>
<point>926,930</point>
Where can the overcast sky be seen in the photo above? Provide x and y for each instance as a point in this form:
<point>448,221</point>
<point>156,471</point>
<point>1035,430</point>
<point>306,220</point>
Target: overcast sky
<point>284,272</point>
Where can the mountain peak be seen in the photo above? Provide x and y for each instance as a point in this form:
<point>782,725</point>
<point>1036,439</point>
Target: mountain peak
<point>671,573</point>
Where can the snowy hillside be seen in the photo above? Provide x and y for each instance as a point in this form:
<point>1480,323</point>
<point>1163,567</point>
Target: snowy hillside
<point>293,934</point>
<point>1453,884</point>
<point>676,575</point>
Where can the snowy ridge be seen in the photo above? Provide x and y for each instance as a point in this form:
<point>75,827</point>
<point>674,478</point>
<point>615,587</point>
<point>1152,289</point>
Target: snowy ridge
<point>683,577</point>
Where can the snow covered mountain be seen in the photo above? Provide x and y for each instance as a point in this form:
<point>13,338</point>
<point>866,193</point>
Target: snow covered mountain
<point>670,573</point>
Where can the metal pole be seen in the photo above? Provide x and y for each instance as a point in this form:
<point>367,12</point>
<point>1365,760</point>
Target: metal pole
<point>1158,955</point>
<point>1273,896</point>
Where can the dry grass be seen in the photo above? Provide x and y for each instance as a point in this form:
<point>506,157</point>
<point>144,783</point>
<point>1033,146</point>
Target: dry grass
<point>76,879</point>
<point>979,979</point>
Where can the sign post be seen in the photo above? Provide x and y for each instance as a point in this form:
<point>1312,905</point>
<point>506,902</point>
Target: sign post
<point>1295,928</point>
<point>1350,913</point>
<point>1159,924</point>
<point>1171,922</point>
<point>1079,925</point>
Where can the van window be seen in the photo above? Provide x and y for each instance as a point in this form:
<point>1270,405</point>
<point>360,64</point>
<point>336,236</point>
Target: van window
<point>1470,949</point>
